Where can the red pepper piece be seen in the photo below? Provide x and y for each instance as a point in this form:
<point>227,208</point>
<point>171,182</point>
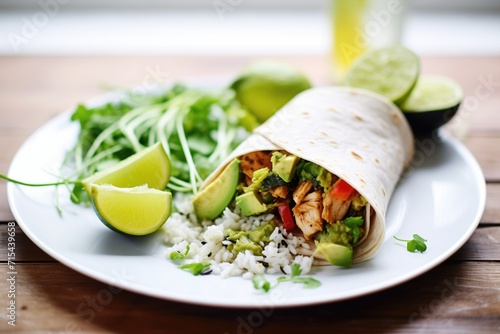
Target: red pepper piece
<point>286,216</point>
<point>342,191</point>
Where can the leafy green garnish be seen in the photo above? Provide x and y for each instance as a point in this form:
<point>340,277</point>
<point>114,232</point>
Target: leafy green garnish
<point>273,180</point>
<point>178,255</point>
<point>354,223</point>
<point>196,268</point>
<point>415,244</point>
<point>296,270</point>
<point>64,182</point>
<point>261,283</point>
<point>197,129</point>
<point>309,282</point>
<point>308,170</point>
<point>319,176</point>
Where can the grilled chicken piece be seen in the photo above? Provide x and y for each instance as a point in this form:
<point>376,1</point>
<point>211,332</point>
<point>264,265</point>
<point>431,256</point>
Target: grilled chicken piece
<point>301,191</point>
<point>279,192</point>
<point>308,214</point>
<point>253,161</point>
<point>334,209</point>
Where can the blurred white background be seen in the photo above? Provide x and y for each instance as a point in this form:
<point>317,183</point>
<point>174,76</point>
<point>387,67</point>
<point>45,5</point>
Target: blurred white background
<point>233,27</point>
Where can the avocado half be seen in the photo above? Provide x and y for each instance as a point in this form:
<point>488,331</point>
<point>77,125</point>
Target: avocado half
<point>213,199</point>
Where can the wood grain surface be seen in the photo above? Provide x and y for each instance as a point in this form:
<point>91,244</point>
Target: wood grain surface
<point>462,295</point>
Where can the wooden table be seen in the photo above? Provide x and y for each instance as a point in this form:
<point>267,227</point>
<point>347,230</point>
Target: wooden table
<point>461,295</point>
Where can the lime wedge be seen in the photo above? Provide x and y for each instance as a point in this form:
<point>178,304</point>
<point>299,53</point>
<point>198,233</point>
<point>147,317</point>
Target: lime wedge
<point>432,93</point>
<point>150,167</point>
<point>266,86</point>
<point>134,211</point>
<point>391,72</point>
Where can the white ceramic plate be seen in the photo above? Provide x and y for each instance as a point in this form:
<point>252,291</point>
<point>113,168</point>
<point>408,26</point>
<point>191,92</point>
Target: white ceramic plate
<point>441,197</point>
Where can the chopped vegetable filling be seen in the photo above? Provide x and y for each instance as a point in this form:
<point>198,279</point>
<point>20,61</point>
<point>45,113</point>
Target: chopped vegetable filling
<point>324,207</point>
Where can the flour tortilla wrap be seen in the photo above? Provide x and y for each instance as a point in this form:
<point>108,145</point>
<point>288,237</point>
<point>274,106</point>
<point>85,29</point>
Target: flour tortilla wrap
<point>357,135</point>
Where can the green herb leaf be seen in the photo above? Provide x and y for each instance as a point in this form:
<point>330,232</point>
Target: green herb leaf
<point>309,282</point>
<point>178,255</point>
<point>308,171</point>
<point>261,283</point>
<point>197,128</point>
<point>296,271</point>
<point>354,223</point>
<point>283,279</point>
<point>196,268</point>
<point>272,181</point>
<point>411,246</point>
<point>420,243</point>
<point>415,244</point>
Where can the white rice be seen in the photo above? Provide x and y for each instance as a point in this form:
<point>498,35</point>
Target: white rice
<point>206,243</point>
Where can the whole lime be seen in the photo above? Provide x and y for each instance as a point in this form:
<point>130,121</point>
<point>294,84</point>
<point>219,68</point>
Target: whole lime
<point>266,86</point>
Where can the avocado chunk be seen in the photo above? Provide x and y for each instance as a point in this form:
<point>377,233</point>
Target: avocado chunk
<point>249,240</point>
<point>284,165</point>
<point>250,204</point>
<point>214,198</point>
<point>337,255</point>
<point>258,176</point>
<point>243,244</point>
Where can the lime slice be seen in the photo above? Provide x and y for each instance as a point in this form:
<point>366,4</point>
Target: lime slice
<point>433,92</point>
<point>134,211</point>
<point>266,86</point>
<point>150,167</point>
<point>391,72</point>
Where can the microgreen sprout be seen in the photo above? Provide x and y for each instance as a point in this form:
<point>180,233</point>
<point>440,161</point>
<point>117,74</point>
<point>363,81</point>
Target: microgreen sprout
<point>309,282</point>
<point>63,182</point>
<point>296,270</point>
<point>415,244</point>
<point>178,255</point>
<point>59,183</point>
<point>197,129</point>
<point>196,268</point>
<point>261,283</point>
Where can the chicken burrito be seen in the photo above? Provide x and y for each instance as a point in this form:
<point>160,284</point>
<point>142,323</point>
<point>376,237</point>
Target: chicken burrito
<point>326,165</point>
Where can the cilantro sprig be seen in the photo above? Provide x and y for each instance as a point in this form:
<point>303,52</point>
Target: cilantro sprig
<point>354,223</point>
<point>415,244</point>
<point>261,283</point>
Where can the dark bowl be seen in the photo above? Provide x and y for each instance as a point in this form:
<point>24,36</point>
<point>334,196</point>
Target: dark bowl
<point>425,122</point>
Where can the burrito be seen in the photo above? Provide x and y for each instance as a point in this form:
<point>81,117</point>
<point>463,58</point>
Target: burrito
<point>326,164</point>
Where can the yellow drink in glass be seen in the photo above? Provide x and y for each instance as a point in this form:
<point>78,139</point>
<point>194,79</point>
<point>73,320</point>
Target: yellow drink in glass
<point>358,25</point>
<point>348,18</point>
